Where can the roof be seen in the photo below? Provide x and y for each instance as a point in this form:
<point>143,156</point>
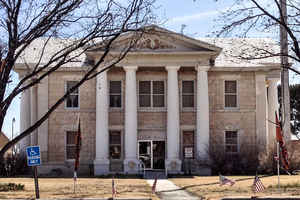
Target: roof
<point>230,56</point>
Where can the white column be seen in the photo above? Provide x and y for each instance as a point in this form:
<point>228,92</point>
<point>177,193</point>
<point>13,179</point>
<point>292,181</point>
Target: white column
<point>130,161</point>
<point>33,107</point>
<point>261,121</point>
<point>202,114</point>
<point>101,162</point>
<point>273,106</point>
<point>25,119</point>
<point>173,163</point>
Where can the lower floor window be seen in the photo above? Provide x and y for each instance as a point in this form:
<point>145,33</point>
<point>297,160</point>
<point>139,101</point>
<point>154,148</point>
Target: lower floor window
<point>188,144</point>
<point>115,145</point>
<point>71,145</point>
<point>231,142</point>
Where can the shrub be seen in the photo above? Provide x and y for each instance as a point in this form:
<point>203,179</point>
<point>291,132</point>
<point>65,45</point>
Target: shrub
<point>11,187</point>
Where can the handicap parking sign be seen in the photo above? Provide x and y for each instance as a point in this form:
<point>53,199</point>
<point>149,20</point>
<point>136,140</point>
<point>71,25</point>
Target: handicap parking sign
<point>33,156</point>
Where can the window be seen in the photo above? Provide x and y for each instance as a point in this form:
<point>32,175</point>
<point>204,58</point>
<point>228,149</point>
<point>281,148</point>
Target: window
<point>151,93</point>
<point>73,99</point>
<point>188,144</point>
<point>187,94</point>
<point>231,142</point>
<point>71,145</point>
<point>230,94</point>
<point>115,145</point>
<point>115,97</point>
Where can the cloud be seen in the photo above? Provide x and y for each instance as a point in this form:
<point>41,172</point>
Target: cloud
<point>197,16</point>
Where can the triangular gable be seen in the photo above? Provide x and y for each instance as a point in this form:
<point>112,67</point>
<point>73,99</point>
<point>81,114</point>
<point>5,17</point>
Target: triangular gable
<point>157,39</point>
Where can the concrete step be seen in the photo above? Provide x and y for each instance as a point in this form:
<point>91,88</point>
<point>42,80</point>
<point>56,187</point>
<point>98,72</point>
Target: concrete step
<point>149,174</point>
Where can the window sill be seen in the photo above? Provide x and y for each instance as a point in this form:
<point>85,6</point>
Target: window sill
<point>188,109</point>
<point>115,109</point>
<point>164,109</point>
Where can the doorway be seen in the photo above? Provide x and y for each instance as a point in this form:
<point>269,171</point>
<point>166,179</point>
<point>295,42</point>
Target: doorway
<point>152,154</point>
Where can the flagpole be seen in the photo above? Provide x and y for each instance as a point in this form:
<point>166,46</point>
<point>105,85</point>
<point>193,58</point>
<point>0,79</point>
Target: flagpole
<point>278,166</point>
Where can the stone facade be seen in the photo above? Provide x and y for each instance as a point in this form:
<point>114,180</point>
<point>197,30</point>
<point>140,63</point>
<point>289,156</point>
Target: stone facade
<point>208,119</point>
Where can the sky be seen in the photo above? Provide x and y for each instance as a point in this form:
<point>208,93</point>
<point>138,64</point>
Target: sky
<point>198,17</point>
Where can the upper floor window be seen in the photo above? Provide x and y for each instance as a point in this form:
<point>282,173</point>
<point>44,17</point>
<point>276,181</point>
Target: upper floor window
<point>72,100</point>
<point>115,144</point>
<point>231,142</point>
<point>187,94</point>
<point>151,93</point>
<point>230,94</point>
<point>115,94</point>
<point>71,145</point>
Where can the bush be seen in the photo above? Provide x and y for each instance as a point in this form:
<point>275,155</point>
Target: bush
<point>13,165</point>
<point>11,187</point>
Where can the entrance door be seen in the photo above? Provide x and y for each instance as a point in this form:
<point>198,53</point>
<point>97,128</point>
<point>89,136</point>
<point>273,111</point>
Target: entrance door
<point>145,153</point>
<point>152,154</point>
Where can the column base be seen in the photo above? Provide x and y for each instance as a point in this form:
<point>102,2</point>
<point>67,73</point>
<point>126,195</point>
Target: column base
<point>173,165</point>
<point>101,167</point>
<point>131,166</point>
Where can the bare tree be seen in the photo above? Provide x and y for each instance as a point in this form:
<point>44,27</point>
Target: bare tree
<point>77,26</point>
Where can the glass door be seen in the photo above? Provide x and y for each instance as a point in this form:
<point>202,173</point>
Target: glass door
<point>145,153</point>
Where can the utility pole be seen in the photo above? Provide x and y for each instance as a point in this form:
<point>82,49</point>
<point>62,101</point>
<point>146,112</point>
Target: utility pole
<point>285,92</point>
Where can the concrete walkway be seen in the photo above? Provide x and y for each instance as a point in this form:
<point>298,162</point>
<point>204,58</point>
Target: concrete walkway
<point>167,190</point>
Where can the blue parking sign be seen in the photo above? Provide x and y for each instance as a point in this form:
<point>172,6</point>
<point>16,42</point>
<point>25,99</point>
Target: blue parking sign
<point>33,156</point>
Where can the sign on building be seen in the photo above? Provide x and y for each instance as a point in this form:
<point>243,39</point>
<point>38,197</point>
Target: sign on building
<point>33,156</point>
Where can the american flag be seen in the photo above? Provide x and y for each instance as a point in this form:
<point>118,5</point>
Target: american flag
<point>114,189</point>
<point>226,181</point>
<point>257,185</point>
<point>154,186</point>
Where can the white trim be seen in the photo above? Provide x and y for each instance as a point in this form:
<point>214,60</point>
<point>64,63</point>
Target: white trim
<point>237,95</point>
<point>238,140</point>
<point>72,108</point>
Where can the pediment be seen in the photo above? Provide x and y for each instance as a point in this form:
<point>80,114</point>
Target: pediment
<point>156,39</point>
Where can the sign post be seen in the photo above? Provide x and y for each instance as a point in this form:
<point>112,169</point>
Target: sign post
<point>34,160</point>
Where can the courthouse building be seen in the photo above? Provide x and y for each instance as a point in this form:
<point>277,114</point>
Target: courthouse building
<point>169,100</point>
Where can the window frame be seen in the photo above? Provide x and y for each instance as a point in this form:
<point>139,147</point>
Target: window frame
<point>151,107</point>
<point>237,143</point>
<point>183,146</point>
<point>121,145</point>
<point>121,94</point>
<point>78,96</point>
<point>66,145</point>
<point>194,95</point>
<point>236,94</point>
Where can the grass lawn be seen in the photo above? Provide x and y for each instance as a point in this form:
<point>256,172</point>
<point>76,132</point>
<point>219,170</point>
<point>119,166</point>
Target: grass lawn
<point>86,188</point>
<point>209,188</point>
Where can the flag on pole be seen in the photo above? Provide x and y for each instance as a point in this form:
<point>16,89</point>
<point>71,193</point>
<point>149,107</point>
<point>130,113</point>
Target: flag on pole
<point>257,185</point>
<point>77,150</point>
<point>279,137</point>
<point>114,189</point>
<point>154,186</point>
<point>226,181</point>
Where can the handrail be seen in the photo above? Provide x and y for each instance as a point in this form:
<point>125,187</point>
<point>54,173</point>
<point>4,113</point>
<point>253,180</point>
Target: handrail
<point>166,172</point>
<point>143,167</point>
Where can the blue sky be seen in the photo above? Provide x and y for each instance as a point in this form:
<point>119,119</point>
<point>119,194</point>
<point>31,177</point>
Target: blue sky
<point>197,16</point>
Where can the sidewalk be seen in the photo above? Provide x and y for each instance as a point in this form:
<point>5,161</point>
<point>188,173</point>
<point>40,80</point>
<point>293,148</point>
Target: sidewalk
<point>167,190</point>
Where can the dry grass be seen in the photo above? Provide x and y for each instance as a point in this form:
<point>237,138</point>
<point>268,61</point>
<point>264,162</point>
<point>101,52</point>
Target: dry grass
<point>209,188</point>
<point>86,188</point>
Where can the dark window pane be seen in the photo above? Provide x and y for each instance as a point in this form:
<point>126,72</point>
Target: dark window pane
<point>71,137</point>
<point>188,100</point>
<point>72,101</point>
<point>115,101</point>
<point>158,100</point>
<point>158,87</point>
<point>145,101</point>
<point>187,86</point>
<point>144,87</point>
<point>71,152</point>
<point>115,152</point>
<point>230,101</point>
<point>70,84</point>
<point>115,137</point>
<point>115,87</point>
<point>230,86</point>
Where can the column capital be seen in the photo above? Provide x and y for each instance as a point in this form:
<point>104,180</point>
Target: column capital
<point>202,68</point>
<point>170,67</point>
<point>128,68</point>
